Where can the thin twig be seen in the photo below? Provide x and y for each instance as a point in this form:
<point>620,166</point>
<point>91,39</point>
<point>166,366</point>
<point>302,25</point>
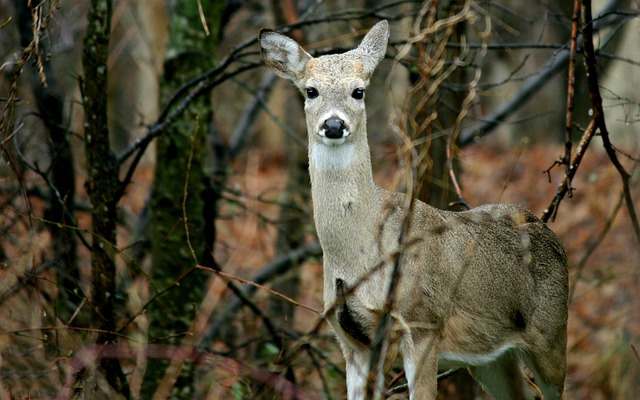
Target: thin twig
<point>635,351</point>
<point>259,286</point>
<point>575,19</point>
<point>55,193</point>
<point>24,281</point>
<point>552,210</point>
<point>203,19</point>
<point>185,191</point>
<point>159,293</point>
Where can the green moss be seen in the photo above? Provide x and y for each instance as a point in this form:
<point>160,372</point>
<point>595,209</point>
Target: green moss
<point>177,199</point>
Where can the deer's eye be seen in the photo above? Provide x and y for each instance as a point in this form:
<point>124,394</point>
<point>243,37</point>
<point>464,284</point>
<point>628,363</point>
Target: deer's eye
<point>312,92</point>
<point>358,93</point>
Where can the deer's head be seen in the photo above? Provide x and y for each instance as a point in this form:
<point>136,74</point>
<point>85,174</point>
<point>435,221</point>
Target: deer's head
<point>333,85</point>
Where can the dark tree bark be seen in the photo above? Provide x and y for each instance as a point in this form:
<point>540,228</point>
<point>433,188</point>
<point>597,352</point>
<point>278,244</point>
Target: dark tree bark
<point>103,186</point>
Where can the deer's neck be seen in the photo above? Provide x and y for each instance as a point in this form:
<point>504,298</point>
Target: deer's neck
<point>341,175</point>
<point>345,198</point>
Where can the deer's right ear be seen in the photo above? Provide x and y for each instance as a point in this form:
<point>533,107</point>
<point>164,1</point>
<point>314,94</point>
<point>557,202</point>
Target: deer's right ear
<point>283,55</point>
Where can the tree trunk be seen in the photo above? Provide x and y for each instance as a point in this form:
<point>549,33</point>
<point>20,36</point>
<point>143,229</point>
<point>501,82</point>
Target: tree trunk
<point>103,186</point>
<point>180,188</point>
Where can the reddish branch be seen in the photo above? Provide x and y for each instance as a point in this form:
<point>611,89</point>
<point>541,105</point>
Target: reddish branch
<point>571,86</point>
<point>259,286</point>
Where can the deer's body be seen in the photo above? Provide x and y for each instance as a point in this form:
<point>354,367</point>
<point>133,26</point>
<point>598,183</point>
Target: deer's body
<point>480,289</point>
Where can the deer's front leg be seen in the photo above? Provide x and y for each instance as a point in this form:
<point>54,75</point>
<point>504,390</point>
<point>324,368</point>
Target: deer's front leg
<point>357,372</point>
<point>420,359</point>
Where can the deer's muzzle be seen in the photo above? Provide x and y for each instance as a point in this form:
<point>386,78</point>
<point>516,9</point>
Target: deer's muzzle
<point>333,128</point>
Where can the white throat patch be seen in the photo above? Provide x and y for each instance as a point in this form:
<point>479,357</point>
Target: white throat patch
<point>330,158</point>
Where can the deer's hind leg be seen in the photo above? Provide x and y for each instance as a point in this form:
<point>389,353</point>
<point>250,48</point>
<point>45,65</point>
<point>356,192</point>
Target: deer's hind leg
<point>549,368</point>
<point>546,351</point>
<point>503,379</point>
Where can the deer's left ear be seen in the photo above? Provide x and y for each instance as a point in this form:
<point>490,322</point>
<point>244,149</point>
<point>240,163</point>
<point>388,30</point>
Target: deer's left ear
<point>283,55</point>
<point>374,45</point>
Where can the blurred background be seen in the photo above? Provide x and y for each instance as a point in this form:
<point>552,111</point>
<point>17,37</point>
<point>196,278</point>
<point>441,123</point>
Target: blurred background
<point>156,238</point>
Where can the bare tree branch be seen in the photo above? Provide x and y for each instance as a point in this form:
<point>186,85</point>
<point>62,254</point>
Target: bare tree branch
<point>532,85</point>
<point>598,111</point>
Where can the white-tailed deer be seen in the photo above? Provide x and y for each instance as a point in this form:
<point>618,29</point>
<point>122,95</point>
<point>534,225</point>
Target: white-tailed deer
<point>482,289</point>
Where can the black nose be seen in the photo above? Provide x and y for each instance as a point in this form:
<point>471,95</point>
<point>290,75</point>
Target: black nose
<point>333,128</point>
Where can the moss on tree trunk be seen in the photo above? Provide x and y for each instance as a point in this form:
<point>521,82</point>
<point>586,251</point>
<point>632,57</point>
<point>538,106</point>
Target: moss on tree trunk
<point>178,196</point>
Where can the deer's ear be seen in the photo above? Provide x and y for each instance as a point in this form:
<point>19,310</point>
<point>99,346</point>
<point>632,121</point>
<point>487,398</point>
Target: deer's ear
<point>374,45</point>
<point>283,55</point>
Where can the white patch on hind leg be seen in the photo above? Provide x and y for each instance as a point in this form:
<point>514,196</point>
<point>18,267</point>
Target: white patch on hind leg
<point>461,359</point>
<point>332,158</point>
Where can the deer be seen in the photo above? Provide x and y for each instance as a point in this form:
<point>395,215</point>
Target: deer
<point>483,289</point>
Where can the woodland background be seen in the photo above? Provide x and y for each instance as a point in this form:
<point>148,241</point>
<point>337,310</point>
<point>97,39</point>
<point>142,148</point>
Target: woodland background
<point>155,229</point>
